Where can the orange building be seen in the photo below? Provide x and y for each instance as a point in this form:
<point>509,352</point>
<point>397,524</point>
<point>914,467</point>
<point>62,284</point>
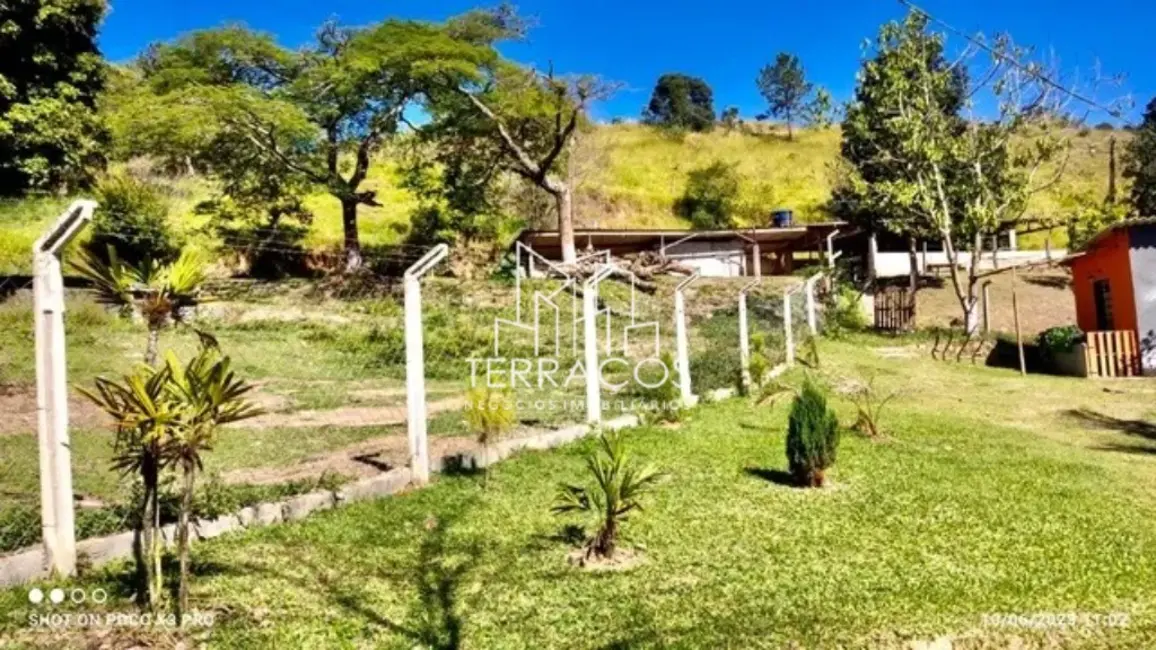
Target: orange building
<point>1114,282</point>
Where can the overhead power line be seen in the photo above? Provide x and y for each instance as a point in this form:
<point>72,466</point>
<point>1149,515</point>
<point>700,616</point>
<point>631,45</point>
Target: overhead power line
<point>1074,94</point>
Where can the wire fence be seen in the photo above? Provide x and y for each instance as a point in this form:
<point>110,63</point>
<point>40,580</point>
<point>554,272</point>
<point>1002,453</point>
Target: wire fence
<point>336,366</point>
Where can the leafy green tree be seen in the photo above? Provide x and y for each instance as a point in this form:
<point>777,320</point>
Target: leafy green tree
<point>1141,164</point>
<point>820,110</point>
<point>616,490</point>
<point>868,127</point>
<point>785,87</point>
<point>812,436</point>
<point>51,73</point>
<point>730,118</point>
<point>133,221</point>
<point>682,102</point>
<point>962,181</point>
<point>711,198</point>
<point>504,118</point>
<point>318,113</point>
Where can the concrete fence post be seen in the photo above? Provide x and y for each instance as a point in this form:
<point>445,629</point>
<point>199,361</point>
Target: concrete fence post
<point>745,336</point>
<point>590,341</point>
<point>681,340</point>
<point>57,516</point>
<point>788,328</point>
<point>415,364</point>
<point>812,315</point>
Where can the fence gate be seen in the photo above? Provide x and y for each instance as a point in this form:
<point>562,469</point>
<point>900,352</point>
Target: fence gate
<point>1113,353</point>
<point>895,309</point>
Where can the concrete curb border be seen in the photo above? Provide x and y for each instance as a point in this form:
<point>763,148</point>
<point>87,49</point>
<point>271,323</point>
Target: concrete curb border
<point>29,564</point>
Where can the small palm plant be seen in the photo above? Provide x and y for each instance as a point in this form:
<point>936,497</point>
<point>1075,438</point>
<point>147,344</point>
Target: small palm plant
<point>144,411</point>
<point>618,485</point>
<point>159,293</point>
<point>211,395</point>
<point>869,403</point>
<point>489,414</point>
<point>812,436</point>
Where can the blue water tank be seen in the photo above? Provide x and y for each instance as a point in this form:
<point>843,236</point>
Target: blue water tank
<point>781,218</point>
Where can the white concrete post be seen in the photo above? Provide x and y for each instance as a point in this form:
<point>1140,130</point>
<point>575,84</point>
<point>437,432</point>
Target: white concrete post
<point>590,346</point>
<point>812,316</point>
<point>58,519</point>
<point>872,256</point>
<point>788,328</point>
<point>745,336</point>
<point>758,260</point>
<point>590,329</point>
<point>681,342</point>
<point>415,364</point>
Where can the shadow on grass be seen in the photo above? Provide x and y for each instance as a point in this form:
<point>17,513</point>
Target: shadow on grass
<point>1049,281</point>
<point>1135,450</point>
<point>776,476</point>
<point>1096,420</point>
<point>436,574</point>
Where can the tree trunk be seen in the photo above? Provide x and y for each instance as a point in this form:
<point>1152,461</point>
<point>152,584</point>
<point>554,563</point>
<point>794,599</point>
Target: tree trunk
<point>607,538</point>
<point>148,533</point>
<point>913,259</point>
<point>565,203</point>
<point>353,258</point>
<point>183,541</point>
<point>153,342</point>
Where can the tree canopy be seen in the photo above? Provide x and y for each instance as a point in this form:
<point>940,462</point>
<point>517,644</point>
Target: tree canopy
<point>1141,164</point>
<point>236,103</point>
<point>681,101</point>
<point>51,73</point>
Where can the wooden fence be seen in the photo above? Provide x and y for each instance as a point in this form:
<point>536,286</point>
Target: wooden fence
<point>895,309</point>
<point>1113,354</point>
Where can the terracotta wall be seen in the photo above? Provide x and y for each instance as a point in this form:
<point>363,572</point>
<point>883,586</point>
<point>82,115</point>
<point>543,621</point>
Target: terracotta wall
<point>1108,260</point>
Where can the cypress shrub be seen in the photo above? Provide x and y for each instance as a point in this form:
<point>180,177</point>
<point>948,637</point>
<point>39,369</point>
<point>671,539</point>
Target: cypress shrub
<point>812,436</point>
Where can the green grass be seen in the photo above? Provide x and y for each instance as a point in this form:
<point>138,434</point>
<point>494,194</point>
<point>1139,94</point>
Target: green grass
<point>988,497</point>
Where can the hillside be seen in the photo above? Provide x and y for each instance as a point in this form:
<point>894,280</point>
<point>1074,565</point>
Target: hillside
<point>627,176</point>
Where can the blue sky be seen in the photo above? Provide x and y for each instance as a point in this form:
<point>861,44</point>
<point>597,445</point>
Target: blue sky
<point>725,42</point>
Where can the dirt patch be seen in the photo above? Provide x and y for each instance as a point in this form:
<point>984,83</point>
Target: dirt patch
<point>1045,300</point>
<point>18,406</point>
<point>624,559</point>
<point>362,460</point>
<point>359,416</point>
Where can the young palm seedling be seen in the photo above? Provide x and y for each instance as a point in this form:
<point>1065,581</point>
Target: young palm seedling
<point>617,486</point>
<point>489,415</point>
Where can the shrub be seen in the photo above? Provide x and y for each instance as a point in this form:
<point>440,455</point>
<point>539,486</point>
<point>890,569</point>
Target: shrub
<point>265,236</point>
<point>666,398</point>
<point>711,198</point>
<point>843,313</point>
<point>132,218</point>
<point>812,436</point>
<point>1058,340</point>
<point>489,414</point>
<point>618,484</point>
<point>869,403</point>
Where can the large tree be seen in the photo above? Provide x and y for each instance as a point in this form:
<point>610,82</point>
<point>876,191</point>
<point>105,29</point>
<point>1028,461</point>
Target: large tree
<point>966,180</point>
<point>508,118</point>
<point>318,113</point>
<point>681,101</point>
<point>785,87</point>
<point>1141,164</point>
<point>869,128</point>
<point>50,75</point>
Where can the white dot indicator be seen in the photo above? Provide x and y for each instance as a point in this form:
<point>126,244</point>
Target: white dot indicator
<point>56,596</point>
<point>35,596</point>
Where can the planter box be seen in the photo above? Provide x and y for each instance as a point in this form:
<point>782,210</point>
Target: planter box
<point>1072,363</point>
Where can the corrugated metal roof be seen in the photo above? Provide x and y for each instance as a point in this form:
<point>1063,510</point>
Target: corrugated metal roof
<point>1127,223</point>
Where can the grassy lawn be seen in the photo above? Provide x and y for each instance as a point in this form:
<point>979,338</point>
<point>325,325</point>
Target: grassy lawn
<point>994,494</point>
